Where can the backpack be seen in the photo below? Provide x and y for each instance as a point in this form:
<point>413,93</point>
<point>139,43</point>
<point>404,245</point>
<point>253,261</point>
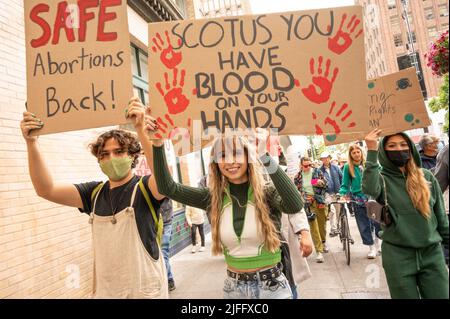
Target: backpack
<point>157,219</point>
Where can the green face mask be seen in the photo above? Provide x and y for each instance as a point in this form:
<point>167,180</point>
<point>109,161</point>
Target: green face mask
<point>116,168</point>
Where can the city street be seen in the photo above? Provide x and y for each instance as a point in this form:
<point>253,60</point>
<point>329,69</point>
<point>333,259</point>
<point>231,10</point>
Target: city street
<point>200,275</point>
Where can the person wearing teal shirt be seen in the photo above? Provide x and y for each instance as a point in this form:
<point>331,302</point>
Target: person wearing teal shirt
<point>351,185</point>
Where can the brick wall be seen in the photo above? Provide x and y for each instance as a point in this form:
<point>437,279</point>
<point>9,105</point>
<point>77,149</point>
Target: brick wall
<point>45,248</point>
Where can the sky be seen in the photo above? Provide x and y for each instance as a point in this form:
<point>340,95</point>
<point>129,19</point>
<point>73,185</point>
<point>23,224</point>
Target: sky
<point>270,6</point>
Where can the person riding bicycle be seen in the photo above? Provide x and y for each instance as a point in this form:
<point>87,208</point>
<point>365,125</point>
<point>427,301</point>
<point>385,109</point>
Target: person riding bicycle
<point>351,184</point>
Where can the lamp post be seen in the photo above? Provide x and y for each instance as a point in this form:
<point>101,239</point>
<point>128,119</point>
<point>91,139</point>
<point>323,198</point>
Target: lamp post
<point>411,48</point>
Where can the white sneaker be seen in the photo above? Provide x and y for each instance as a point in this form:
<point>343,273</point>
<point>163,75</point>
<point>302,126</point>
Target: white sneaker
<point>194,249</point>
<point>325,248</point>
<point>202,248</point>
<point>378,245</point>
<point>372,252</point>
<point>319,258</point>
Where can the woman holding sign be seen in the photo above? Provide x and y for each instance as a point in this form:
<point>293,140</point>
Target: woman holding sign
<point>412,255</point>
<point>244,213</point>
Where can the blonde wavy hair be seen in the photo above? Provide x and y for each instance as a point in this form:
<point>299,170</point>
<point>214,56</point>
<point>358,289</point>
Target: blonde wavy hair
<point>418,188</point>
<point>351,164</point>
<point>218,186</point>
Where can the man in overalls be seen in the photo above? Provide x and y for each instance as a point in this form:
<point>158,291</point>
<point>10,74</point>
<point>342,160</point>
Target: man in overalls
<point>127,258</point>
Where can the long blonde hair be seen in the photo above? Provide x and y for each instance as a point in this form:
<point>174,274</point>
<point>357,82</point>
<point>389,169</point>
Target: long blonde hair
<point>418,188</point>
<point>218,184</point>
<point>351,164</point>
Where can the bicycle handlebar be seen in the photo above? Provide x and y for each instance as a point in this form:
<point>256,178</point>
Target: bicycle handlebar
<point>341,202</point>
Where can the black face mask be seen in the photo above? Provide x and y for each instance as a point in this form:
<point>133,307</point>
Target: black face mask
<point>399,158</point>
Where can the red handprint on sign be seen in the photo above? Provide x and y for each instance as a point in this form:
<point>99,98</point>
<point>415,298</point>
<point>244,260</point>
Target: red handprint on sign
<point>342,39</point>
<point>321,82</point>
<point>170,130</point>
<point>169,57</point>
<point>332,122</point>
<point>175,100</point>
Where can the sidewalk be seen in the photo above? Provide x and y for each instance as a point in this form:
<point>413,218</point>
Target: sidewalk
<point>200,275</point>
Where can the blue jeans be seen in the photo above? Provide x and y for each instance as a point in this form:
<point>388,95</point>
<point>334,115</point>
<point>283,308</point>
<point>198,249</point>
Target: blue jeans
<point>276,288</point>
<point>165,248</point>
<point>294,292</point>
<point>365,225</point>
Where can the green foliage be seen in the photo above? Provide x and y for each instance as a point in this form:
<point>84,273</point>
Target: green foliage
<point>441,102</point>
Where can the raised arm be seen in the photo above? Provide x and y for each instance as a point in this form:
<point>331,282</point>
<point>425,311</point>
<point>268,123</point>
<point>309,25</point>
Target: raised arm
<point>192,196</point>
<point>371,176</point>
<point>143,123</point>
<point>288,197</point>
<point>60,193</point>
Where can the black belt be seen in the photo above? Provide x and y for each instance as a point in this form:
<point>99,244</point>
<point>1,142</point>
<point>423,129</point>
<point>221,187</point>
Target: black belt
<point>273,272</point>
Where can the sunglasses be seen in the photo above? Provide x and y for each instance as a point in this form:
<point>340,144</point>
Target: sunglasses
<point>306,166</point>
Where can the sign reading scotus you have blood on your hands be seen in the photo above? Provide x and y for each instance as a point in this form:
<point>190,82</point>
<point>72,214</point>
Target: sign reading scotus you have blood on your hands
<point>284,71</point>
<point>78,63</point>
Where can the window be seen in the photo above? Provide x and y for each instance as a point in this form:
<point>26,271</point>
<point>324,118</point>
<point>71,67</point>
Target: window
<point>444,26</point>
<point>139,67</point>
<point>173,168</point>
<point>443,10</point>
<point>398,41</point>
<point>395,22</point>
<point>392,4</point>
<point>432,32</point>
<point>429,14</point>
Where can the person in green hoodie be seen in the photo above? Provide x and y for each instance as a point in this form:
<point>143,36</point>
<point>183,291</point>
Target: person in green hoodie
<point>411,251</point>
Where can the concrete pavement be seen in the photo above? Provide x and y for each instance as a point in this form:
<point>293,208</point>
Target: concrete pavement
<point>200,275</point>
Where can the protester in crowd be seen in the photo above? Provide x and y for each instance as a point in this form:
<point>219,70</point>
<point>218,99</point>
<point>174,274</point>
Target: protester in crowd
<point>351,188</point>
<point>127,262</point>
<point>195,218</point>
<point>244,215</point>
<point>333,175</point>
<point>166,211</point>
<point>295,229</point>
<point>312,185</point>
<point>334,161</point>
<point>342,162</point>
<point>412,256</point>
<point>441,173</point>
<point>429,150</point>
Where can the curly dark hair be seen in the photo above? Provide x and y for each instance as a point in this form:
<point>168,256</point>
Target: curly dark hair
<point>126,139</point>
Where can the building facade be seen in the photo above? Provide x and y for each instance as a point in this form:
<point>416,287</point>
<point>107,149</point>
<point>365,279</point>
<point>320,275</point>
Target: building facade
<point>200,9</point>
<point>394,29</point>
<point>45,248</point>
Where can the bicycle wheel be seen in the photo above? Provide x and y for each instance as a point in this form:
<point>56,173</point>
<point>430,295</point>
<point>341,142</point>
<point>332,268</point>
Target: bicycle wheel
<point>346,239</point>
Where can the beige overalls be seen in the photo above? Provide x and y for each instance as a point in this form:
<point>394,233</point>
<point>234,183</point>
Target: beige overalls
<point>122,266</point>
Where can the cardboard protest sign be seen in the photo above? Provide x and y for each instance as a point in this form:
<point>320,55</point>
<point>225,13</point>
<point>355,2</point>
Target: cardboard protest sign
<point>394,104</point>
<point>78,63</point>
<point>298,72</point>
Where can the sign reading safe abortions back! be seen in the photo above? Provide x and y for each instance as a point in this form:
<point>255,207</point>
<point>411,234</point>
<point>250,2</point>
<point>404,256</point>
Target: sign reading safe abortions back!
<point>394,104</point>
<point>78,63</point>
<point>298,72</point>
